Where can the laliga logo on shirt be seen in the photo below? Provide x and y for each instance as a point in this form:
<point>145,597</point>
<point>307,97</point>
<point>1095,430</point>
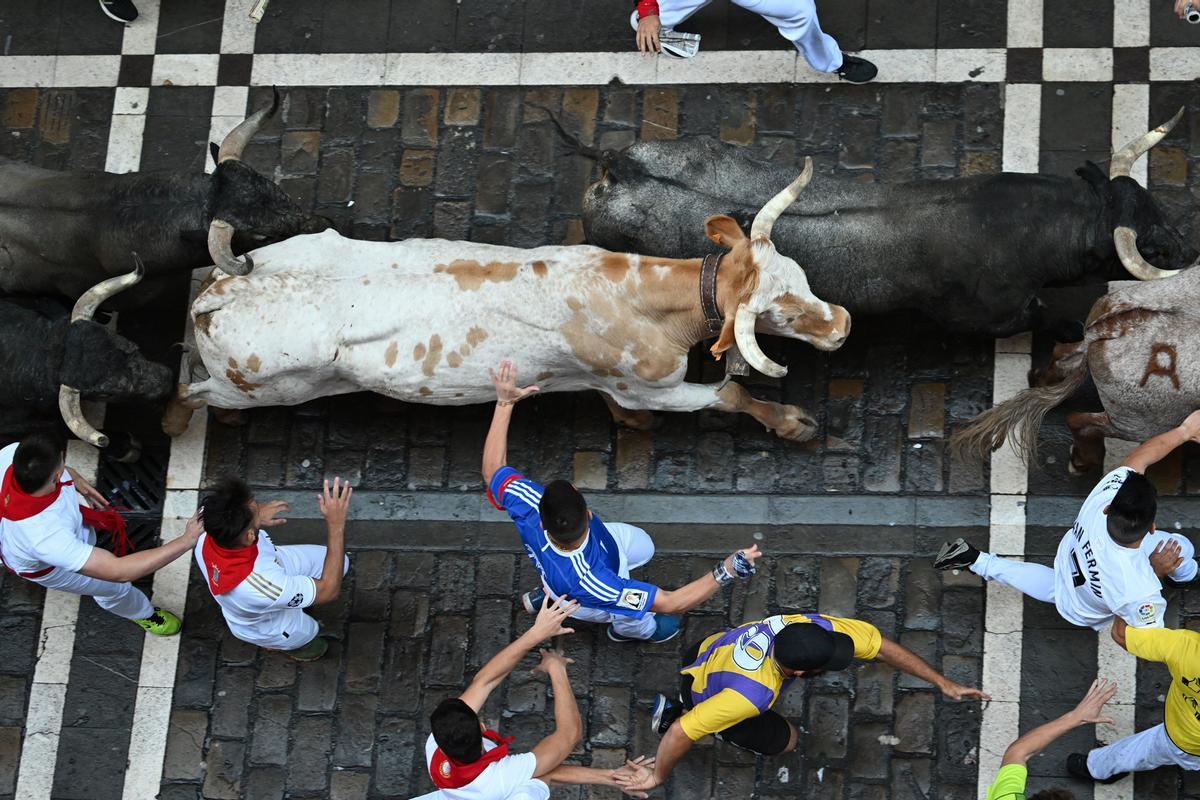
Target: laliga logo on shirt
<point>1145,612</point>
<point>752,648</point>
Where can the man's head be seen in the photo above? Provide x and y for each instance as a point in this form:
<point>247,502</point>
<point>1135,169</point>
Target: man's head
<point>564,513</point>
<point>1052,794</point>
<point>457,730</point>
<point>1131,512</point>
<point>38,461</point>
<point>228,514</point>
<point>803,648</point>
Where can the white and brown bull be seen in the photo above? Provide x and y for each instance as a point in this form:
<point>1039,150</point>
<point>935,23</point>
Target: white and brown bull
<point>422,320</point>
<point>1141,346</point>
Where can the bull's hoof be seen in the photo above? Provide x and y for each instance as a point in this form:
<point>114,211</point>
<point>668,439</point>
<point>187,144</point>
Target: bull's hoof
<point>796,426</point>
<point>232,417</point>
<point>637,420</point>
<point>1081,463</point>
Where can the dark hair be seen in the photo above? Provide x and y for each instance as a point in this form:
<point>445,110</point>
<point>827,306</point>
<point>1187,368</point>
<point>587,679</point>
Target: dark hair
<point>564,512</point>
<point>1052,794</point>
<point>37,460</point>
<point>456,730</point>
<point>1132,510</point>
<point>226,514</point>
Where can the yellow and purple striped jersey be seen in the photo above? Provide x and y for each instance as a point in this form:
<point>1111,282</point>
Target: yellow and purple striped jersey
<point>734,677</point>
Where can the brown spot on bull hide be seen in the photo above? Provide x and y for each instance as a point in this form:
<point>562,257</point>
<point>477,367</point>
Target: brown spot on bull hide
<point>419,351</point>
<point>470,275</point>
<point>202,322</point>
<point>1155,367</point>
<point>233,363</point>
<point>542,376</point>
<point>253,363</point>
<point>574,303</point>
<point>614,266</point>
<point>433,356</point>
<point>239,380</point>
<point>539,269</point>
<point>366,281</point>
<point>389,355</point>
<point>425,391</point>
<point>454,360</point>
<point>622,386</point>
<point>475,336</point>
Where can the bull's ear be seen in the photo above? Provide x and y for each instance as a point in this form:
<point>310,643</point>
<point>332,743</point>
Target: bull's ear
<point>215,149</point>
<point>724,231</point>
<point>1093,175</point>
<point>725,340</point>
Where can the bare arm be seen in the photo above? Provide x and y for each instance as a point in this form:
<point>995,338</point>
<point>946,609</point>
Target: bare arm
<point>634,771</point>
<point>495,446</point>
<point>1153,450</point>
<point>335,505</point>
<point>906,660</point>
<point>104,566</point>
<point>549,623</point>
<point>692,594</point>
<point>1118,632</point>
<point>568,729</point>
<point>1086,713</point>
<point>674,745</point>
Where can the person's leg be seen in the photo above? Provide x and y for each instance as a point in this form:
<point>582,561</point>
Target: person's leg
<point>797,22</point>
<point>121,599</point>
<point>1145,750</point>
<point>768,734</point>
<point>637,548</point>
<point>306,559</point>
<point>673,12</point>
<point>1035,580</point>
<point>632,628</point>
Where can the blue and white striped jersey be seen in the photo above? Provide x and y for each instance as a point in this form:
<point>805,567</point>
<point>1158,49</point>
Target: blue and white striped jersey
<point>589,574</point>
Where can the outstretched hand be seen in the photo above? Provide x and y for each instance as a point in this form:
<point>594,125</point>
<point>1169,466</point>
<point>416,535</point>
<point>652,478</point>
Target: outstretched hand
<point>956,691</point>
<point>334,502</point>
<point>550,619</point>
<point>1166,558</point>
<point>505,381</point>
<point>267,513</point>
<point>647,34</point>
<point>552,660</point>
<point>1191,425</point>
<point>1090,707</point>
<point>635,772</point>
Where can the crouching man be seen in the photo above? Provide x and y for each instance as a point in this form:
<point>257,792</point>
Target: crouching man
<point>469,762</point>
<point>48,521</point>
<point>263,589</point>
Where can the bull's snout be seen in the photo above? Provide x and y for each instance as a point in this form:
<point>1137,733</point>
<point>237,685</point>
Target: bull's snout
<point>839,330</point>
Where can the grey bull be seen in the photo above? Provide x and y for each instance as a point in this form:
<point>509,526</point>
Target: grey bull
<point>970,252</point>
<point>1141,347</point>
<point>63,232</point>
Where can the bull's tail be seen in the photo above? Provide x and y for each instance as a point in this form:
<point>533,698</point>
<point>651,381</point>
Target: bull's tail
<point>571,139</point>
<point>1019,418</point>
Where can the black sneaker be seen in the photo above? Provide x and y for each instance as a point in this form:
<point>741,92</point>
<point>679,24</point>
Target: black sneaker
<point>1077,768</point>
<point>120,10</point>
<point>664,714</point>
<point>856,70</point>
<point>956,555</point>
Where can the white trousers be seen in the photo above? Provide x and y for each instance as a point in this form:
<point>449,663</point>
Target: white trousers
<point>1148,749</point>
<point>637,548</point>
<point>121,599</point>
<point>291,628</point>
<point>796,20</point>
<point>1035,580</point>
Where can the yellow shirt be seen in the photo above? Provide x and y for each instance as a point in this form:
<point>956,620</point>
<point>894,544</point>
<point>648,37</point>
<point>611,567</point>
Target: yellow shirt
<point>734,677</point>
<point>1009,783</point>
<point>1180,651</point>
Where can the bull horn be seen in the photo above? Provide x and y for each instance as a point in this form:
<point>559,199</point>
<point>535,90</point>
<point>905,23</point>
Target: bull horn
<point>1126,242</point>
<point>1122,161</point>
<point>743,334</point>
<point>220,249</point>
<point>236,140</point>
<point>764,220</point>
<point>72,414</point>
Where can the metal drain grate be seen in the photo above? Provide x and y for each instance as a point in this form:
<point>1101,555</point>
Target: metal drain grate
<point>139,487</point>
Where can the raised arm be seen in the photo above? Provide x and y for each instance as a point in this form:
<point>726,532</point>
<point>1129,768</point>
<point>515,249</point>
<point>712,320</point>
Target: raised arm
<point>335,506</point>
<point>495,447</point>
<point>1086,713</point>
<point>549,623</point>
<point>104,566</point>
<point>906,660</point>
<point>1153,450</point>
<point>551,751</point>
<point>736,565</point>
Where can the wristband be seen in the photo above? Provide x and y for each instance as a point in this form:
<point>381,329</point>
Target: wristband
<point>721,574</point>
<point>743,566</point>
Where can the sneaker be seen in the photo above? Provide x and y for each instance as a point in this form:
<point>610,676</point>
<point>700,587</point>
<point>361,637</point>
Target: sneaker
<point>956,555</point>
<point>309,652</point>
<point>666,628</point>
<point>856,70</point>
<point>533,600</point>
<point>1077,768</point>
<point>664,714</point>
<point>678,44</point>
<point>160,623</point>
<point>120,10</point>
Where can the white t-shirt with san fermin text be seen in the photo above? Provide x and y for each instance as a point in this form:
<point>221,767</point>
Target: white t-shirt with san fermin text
<point>510,778</point>
<point>1096,579</point>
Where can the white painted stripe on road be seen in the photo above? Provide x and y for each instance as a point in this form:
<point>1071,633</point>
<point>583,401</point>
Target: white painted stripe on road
<point>1022,128</point>
<point>1025,22</point>
<point>1131,23</point>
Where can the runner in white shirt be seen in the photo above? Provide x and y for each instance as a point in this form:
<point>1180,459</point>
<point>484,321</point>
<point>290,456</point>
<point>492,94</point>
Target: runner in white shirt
<point>263,589</point>
<point>1111,562</point>
<point>44,538</point>
<point>467,761</point>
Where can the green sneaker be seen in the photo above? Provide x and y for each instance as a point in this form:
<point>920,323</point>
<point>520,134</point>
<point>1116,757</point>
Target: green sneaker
<point>161,623</point>
<point>309,652</point>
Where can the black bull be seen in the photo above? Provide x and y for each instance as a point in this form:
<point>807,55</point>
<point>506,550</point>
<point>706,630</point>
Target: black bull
<point>969,252</point>
<point>63,232</point>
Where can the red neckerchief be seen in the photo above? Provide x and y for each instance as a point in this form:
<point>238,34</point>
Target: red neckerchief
<point>225,568</point>
<point>450,774</point>
<point>16,504</point>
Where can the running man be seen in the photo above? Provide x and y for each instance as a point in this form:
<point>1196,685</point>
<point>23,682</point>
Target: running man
<point>48,521</point>
<point>263,589</point>
<point>582,557</point>
<point>731,679</point>
<point>1111,561</point>
<point>796,20</point>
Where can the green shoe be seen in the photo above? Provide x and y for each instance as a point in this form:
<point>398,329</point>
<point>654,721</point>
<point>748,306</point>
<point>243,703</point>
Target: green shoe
<point>309,652</point>
<point>161,623</point>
